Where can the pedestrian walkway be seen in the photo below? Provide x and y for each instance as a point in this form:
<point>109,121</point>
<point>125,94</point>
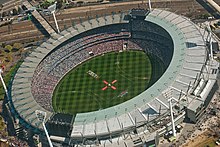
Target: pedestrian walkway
<point>41,20</point>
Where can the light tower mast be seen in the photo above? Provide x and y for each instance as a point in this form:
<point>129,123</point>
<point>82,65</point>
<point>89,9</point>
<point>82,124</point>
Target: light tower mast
<point>168,95</point>
<point>149,3</point>
<point>3,83</point>
<point>52,9</point>
<point>41,115</point>
<point>172,120</point>
<point>209,37</point>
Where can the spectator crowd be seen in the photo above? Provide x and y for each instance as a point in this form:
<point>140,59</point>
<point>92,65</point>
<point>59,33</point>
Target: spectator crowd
<point>63,59</point>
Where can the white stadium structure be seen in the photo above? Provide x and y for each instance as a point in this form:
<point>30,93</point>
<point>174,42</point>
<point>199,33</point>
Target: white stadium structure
<point>189,82</point>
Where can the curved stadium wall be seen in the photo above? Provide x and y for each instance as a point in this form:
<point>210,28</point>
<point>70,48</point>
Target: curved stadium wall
<point>168,37</point>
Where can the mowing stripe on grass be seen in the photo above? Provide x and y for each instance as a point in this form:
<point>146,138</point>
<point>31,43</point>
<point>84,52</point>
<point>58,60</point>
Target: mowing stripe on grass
<point>80,92</point>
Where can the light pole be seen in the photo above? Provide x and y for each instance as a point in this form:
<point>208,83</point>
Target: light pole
<point>3,83</point>
<point>209,37</point>
<point>149,3</point>
<point>168,95</point>
<point>172,120</point>
<point>52,9</point>
<point>41,116</point>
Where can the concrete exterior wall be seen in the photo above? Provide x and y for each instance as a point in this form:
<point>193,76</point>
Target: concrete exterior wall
<point>191,115</point>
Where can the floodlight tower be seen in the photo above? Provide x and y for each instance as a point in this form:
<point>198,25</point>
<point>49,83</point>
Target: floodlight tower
<point>41,116</point>
<point>3,83</point>
<point>149,3</point>
<point>52,9</point>
<point>209,37</point>
<point>210,44</point>
<point>172,120</point>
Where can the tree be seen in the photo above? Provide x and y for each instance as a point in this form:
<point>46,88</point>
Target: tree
<point>3,44</point>
<point>59,4</point>
<point>8,47</point>
<point>45,4</point>
<point>17,45</point>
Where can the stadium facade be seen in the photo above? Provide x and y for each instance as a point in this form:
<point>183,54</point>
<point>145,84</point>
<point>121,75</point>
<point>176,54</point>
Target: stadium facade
<point>189,79</point>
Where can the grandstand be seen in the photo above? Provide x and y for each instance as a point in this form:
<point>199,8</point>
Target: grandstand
<point>189,77</point>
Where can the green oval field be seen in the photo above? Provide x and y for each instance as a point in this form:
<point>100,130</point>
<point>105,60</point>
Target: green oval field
<point>105,81</point>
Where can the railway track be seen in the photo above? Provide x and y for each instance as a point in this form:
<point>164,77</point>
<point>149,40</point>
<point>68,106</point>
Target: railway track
<point>66,17</point>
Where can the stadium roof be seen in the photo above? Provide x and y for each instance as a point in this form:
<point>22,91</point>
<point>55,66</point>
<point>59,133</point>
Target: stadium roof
<point>22,98</point>
<point>188,59</point>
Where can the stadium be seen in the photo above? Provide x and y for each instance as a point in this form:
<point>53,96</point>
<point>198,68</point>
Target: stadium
<point>114,76</point>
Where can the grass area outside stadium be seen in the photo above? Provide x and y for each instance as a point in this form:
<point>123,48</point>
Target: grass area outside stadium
<point>105,81</point>
<point>7,77</point>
